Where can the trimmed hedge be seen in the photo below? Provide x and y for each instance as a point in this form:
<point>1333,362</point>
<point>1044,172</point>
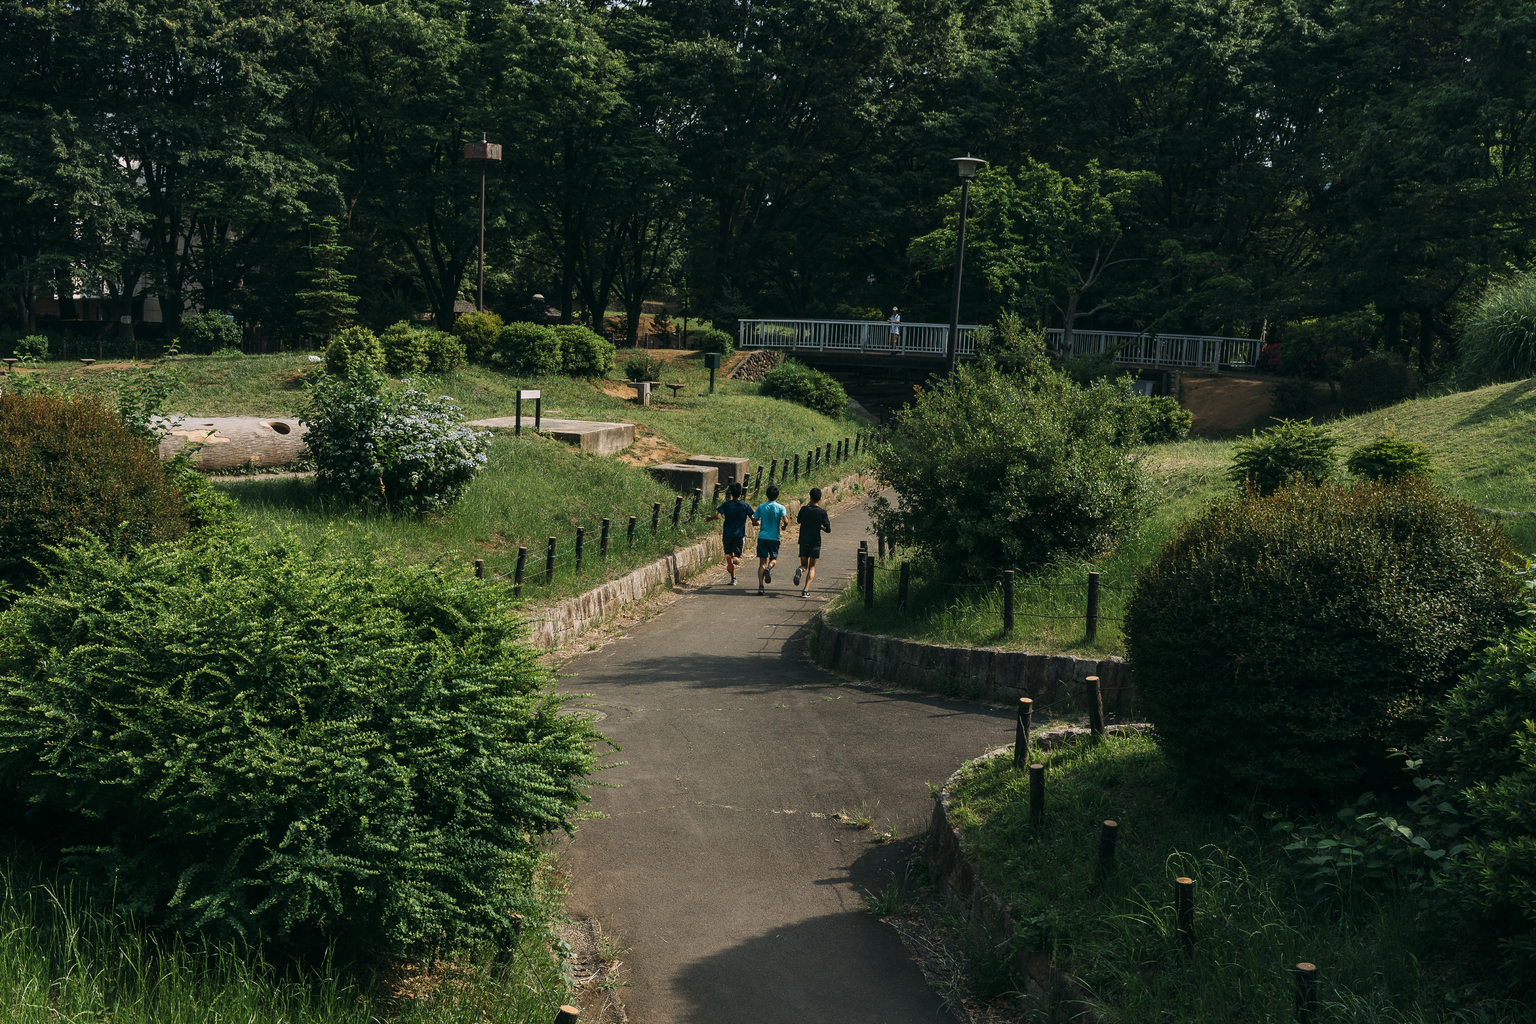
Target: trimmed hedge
<point>406,349</point>
<point>584,353</point>
<point>1389,458</point>
<point>284,743</point>
<point>351,348</point>
<point>478,331</point>
<point>1286,642</point>
<point>69,467</point>
<point>527,350</point>
<point>1286,453</point>
<point>796,382</point>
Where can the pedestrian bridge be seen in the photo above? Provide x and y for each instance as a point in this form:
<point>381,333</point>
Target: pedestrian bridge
<point>926,342</point>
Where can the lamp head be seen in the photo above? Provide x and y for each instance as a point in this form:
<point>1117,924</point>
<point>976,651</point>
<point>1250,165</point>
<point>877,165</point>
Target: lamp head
<point>968,166</point>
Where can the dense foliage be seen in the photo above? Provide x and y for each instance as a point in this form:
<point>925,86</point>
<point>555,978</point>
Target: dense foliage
<point>1389,458</point>
<point>352,348</point>
<point>405,350</point>
<point>1375,381</point>
<point>1288,641</point>
<point>713,339</point>
<point>70,467</point>
<point>796,382</point>
<point>527,350</point>
<point>478,331</point>
<point>1486,747</point>
<point>1501,332</point>
<point>32,348</point>
<point>375,444</point>
<point>209,331</point>
<point>583,352</point>
<point>643,366</point>
<point>1285,454</point>
<point>287,743</point>
<point>1004,472</point>
<point>1155,419</point>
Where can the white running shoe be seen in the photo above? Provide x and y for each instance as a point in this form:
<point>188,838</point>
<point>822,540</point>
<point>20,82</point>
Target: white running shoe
<point>761,592</point>
<point>797,576</point>
<point>805,593</point>
<point>733,581</point>
<point>767,575</point>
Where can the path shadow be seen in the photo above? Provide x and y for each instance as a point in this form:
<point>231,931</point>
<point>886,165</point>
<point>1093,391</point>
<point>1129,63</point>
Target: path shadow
<point>1518,399</point>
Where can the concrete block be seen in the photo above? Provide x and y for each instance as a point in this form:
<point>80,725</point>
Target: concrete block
<point>588,435</point>
<point>684,479</point>
<point>732,470</point>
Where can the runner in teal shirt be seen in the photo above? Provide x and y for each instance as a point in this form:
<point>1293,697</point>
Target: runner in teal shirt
<point>768,517</point>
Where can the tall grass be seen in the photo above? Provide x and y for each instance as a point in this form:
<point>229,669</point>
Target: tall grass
<point>1500,339</point>
<point>1380,956</point>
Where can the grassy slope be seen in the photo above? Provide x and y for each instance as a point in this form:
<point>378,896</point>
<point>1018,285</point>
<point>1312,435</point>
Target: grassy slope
<point>1484,447</point>
<point>532,488</point>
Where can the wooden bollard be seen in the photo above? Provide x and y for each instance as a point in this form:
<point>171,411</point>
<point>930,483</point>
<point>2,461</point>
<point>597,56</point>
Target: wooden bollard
<point>773,469</point>
<point>1108,831</point>
<point>901,587</point>
<point>602,541</point>
<point>757,481</point>
<point>1037,795</point>
<point>716,495</point>
<point>829,453</point>
<point>1184,906</point>
<point>847,449</point>
<point>1306,993</point>
<point>517,576</point>
<point>1007,602</point>
<point>693,510</point>
<point>567,1015</point>
<point>631,533</point>
<point>1021,733</point>
<point>549,562</point>
<point>1095,708</point>
<point>677,511</point>
<point>655,517</point>
<point>1093,606</point>
<point>581,540</point>
<point>859,573</point>
<point>479,568</point>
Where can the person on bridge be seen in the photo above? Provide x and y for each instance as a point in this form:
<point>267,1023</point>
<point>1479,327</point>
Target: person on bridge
<point>895,321</point>
<point>733,535</point>
<point>769,515</point>
<point>813,523</point>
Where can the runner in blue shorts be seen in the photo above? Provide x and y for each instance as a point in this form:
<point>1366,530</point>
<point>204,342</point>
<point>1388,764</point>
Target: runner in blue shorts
<point>813,523</point>
<point>768,517</point>
<point>735,512</point>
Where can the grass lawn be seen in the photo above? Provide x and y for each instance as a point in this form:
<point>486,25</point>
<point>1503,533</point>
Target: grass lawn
<point>1484,448</point>
<point>1380,958</point>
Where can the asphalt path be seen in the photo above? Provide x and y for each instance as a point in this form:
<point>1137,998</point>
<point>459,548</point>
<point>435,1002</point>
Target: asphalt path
<point>719,865</point>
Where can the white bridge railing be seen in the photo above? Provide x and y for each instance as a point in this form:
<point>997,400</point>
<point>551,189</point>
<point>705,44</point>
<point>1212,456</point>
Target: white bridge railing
<point>873,337</point>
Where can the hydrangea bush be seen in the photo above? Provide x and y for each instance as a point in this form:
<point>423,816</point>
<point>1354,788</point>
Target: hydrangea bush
<point>396,447</point>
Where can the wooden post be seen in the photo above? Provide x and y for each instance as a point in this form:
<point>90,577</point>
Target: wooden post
<point>655,517</point>
<point>549,562</point>
<point>1107,834</point>
<point>631,533</point>
<point>1095,708</point>
<point>716,496</point>
<point>1184,904</point>
<point>581,539</point>
<point>1306,993</point>
<point>677,511</point>
<point>517,576</point>
<point>859,575</point>
<point>693,511</point>
<point>773,469</point>
<point>901,588</point>
<point>479,568</point>
<point>602,542</point>
<point>847,448</point>
<point>568,1014</point>
<point>1037,795</point>
<point>1007,602</point>
<point>1021,733</point>
<point>1093,605</point>
<point>757,481</point>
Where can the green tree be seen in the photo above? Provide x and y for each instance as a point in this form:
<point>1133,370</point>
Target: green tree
<point>329,305</point>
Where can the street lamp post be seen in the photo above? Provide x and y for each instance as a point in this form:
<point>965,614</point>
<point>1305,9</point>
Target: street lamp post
<point>968,166</point>
<point>482,151</point>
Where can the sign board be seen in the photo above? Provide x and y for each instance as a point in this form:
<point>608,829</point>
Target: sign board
<point>712,360</point>
<point>482,151</point>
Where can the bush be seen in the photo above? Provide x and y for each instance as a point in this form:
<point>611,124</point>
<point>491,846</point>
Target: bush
<point>716,340</point>
<point>1000,472</point>
<point>1283,454</point>
<point>353,347</point>
<point>1500,339</point>
<point>528,350</point>
<point>1388,458</point>
<point>1288,641</point>
<point>1375,381</point>
<point>1089,367</point>
<point>796,382</point>
<point>406,349</point>
<point>583,353</point>
<point>209,331</point>
<point>445,352</point>
<point>31,349</point>
<point>1156,419</point>
<point>285,743</point>
<point>1486,748</point>
<point>478,331</point>
<point>643,366</point>
<point>69,467</point>
<point>1292,396</point>
<point>377,445</point>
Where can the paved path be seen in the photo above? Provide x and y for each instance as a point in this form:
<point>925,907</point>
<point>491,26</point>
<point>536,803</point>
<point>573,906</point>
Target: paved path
<point>735,902</point>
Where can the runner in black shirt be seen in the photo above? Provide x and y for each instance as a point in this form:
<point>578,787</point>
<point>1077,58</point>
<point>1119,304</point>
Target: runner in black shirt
<point>813,523</point>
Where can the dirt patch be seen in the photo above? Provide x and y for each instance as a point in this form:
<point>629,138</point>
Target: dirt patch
<point>650,449</point>
<point>1225,403</point>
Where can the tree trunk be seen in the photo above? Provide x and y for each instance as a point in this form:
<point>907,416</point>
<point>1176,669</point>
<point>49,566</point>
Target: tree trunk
<point>1068,320</point>
<point>1394,325</point>
<point>1426,342</point>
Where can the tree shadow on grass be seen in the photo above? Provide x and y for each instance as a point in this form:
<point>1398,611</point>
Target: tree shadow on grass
<point>1519,399</point>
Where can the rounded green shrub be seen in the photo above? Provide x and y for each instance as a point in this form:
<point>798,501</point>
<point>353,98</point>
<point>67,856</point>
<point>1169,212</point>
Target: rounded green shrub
<point>1500,338</point>
<point>353,347</point>
<point>209,331</point>
<point>1485,747</point>
<point>796,382</point>
<point>1286,453</point>
<point>445,352</point>
<point>712,339</point>
<point>643,366</point>
<point>584,353</point>
<point>68,468</point>
<point>527,350</point>
<point>1287,641</point>
<point>1375,381</point>
<point>1389,458</point>
<point>478,331</point>
<point>288,743</point>
<point>1156,419</point>
<point>407,349</point>
<point>31,349</point>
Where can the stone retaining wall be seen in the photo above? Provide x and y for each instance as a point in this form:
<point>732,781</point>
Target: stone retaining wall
<point>984,672</point>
